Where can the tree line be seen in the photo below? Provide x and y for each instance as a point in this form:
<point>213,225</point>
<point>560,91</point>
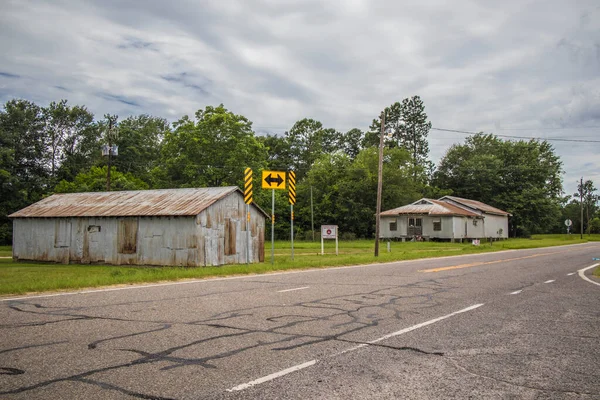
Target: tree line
<point>57,149</point>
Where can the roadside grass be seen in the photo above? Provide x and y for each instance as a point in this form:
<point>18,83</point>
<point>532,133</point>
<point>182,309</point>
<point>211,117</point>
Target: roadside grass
<point>597,272</point>
<point>5,251</point>
<point>30,277</point>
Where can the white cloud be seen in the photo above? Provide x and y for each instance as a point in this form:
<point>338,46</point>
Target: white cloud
<point>492,66</point>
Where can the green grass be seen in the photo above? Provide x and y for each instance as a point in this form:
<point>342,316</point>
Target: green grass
<point>597,272</point>
<point>5,251</point>
<point>27,277</point>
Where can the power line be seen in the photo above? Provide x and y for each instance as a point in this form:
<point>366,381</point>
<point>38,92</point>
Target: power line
<point>519,137</point>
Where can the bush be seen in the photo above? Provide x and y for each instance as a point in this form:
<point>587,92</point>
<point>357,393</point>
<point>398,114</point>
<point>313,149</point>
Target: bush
<point>348,236</point>
<point>594,226</point>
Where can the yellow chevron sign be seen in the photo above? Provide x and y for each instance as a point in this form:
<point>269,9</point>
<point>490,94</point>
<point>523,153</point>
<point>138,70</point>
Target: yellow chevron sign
<point>292,187</point>
<point>248,186</point>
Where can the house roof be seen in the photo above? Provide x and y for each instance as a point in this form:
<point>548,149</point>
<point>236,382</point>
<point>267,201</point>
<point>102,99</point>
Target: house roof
<point>161,202</point>
<point>476,205</point>
<point>429,207</point>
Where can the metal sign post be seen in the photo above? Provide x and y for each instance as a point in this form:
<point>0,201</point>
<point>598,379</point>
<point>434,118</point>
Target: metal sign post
<point>273,180</point>
<point>273,227</point>
<point>248,200</point>
<point>292,198</point>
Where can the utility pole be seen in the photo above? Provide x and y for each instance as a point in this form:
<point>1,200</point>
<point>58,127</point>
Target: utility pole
<point>581,204</point>
<point>379,184</point>
<point>112,121</point>
<point>109,154</point>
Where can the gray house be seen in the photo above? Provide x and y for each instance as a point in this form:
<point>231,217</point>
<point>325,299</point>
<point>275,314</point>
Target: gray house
<point>449,218</point>
<point>187,227</point>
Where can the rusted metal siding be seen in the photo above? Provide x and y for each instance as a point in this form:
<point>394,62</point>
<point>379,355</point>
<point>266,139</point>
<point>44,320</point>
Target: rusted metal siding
<point>428,207</point>
<point>474,204</point>
<point>216,236</point>
<point>165,202</point>
<point>224,229</point>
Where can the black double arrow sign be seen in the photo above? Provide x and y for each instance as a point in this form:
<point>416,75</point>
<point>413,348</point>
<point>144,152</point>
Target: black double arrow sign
<point>270,180</point>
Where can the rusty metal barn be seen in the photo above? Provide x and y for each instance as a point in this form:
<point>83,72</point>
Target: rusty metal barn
<point>187,227</point>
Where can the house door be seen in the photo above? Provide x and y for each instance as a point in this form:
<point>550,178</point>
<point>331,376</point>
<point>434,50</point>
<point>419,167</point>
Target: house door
<point>415,226</point>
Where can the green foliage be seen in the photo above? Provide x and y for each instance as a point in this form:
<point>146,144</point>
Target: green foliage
<point>523,178</point>
<point>594,226</point>
<point>307,141</point>
<point>213,150</point>
<point>72,139</point>
<point>24,171</point>
<point>345,190</point>
<point>95,181</point>
<point>139,139</point>
<point>409,128</point>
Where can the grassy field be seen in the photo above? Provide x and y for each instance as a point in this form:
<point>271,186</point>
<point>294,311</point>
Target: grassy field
<point>5,251</point>
<point>23,277</point>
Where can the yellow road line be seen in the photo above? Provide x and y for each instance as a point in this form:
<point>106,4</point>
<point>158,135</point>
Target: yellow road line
<point>486,262</point>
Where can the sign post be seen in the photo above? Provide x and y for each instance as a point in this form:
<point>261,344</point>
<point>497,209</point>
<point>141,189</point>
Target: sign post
<point>292,198</point>
<point>568,223</point>
<point>273,180</point>
<point>248,201</point>
<point>329,232</point>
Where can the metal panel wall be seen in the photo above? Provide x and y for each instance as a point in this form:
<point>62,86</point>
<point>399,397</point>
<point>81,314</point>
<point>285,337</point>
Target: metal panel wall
<point>223,226</point>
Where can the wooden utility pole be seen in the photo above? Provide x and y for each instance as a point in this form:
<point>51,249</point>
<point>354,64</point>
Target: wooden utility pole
<point>110,138</point>
<point>110,124</point>
<point>379,184</point>
<point>581,204</point>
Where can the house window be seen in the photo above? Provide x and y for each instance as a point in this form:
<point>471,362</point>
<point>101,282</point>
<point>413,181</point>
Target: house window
<point>437,225</point>
<point>393,226</point>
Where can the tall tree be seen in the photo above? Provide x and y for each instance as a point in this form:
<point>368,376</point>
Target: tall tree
<point>139,140</point>
<point>408,125</point>
<point>24,169</point>
<point>587,191</point>
<point>278,150</point>
<point>522,177</point>
<point>211,150</point>
<point>308,139</point>
<point>351,142</point>
<point>72,138</point>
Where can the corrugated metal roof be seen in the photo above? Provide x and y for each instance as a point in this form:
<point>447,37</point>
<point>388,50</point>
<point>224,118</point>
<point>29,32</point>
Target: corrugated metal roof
<point>432,207</point>
<point>162,202</point>
<point>477,205</point>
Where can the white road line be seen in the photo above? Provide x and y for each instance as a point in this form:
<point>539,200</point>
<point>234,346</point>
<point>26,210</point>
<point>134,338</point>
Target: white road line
<point>360,346</point>
<point>516,292</point>
<point>272,376</point>
<point>550,281</point>
<point>422,324</point>
<point>582,275</point>
<point>571,273</point>
<point>291,290</point>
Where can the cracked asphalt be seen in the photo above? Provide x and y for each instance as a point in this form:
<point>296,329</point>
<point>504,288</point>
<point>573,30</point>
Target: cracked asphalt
<point>516,324</point>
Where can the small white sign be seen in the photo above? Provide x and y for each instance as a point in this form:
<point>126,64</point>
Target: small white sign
<point>568,222</point>
<point>329,231</point>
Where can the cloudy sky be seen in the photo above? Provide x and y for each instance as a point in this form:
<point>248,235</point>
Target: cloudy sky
<point>511,67</point>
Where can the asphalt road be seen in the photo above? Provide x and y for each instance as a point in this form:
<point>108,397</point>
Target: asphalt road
<point>515,324</point>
